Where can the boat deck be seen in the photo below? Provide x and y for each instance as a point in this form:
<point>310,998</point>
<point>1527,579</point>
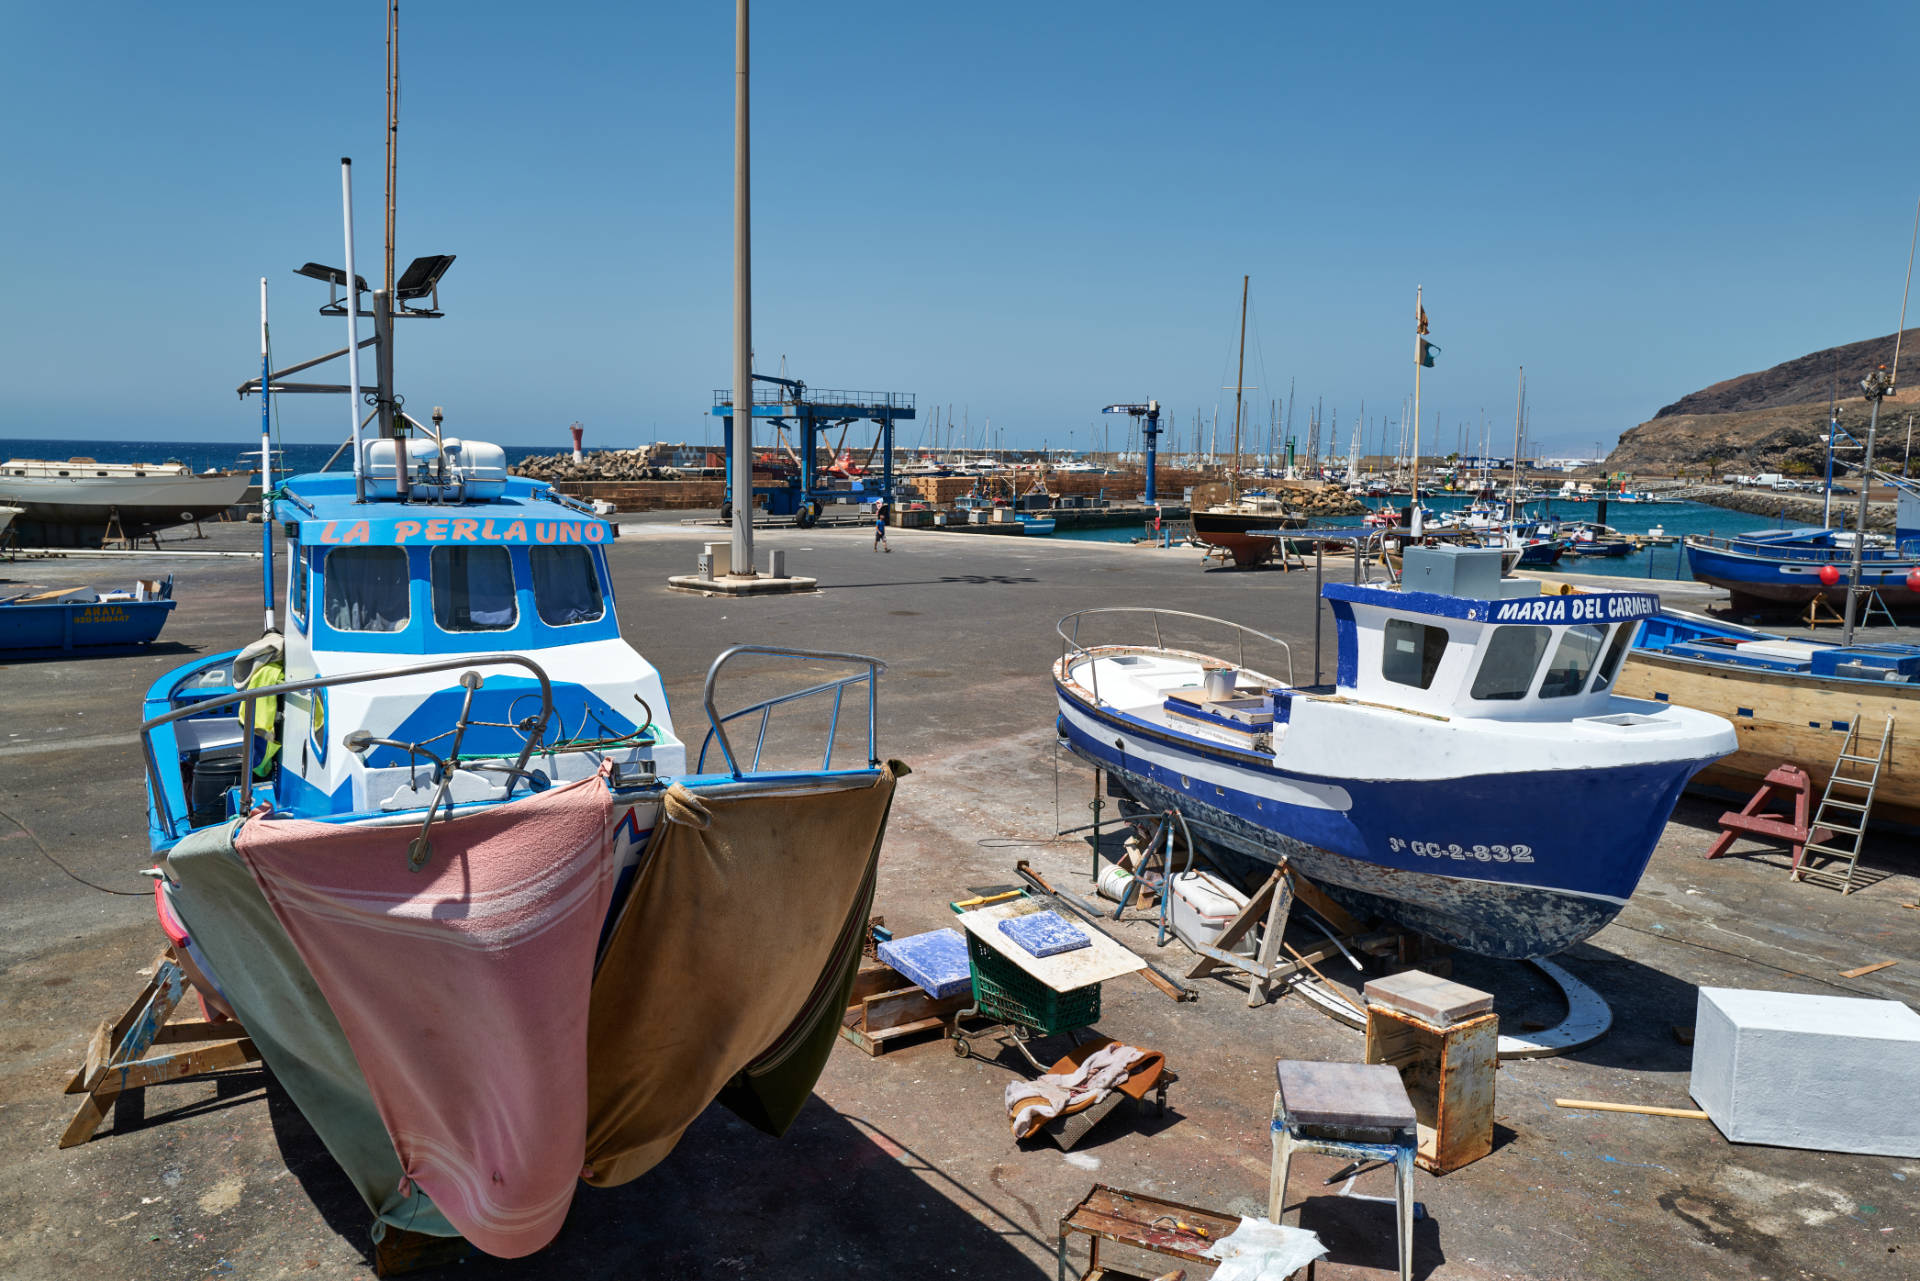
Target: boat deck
<point>902,1164</point>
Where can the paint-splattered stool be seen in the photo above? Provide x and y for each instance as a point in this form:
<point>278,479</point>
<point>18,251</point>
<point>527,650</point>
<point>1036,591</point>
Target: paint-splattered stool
<point>1355,1110</point>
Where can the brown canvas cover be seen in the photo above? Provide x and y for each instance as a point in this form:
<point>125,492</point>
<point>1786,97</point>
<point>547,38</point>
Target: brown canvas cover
<point>731,962</point>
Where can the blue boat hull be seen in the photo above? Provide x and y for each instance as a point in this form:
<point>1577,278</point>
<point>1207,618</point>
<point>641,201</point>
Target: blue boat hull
<point>1785,577</point>
<point>1418,851</point>
<point>58,626</point>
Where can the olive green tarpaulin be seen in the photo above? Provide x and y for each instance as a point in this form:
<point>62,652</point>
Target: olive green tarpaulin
<point>731,963</point>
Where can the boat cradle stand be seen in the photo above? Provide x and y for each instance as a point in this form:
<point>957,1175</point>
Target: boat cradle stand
<point>144,1046</point>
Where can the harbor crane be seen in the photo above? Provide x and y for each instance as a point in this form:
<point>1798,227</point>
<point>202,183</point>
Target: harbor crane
<point>1147,417</point>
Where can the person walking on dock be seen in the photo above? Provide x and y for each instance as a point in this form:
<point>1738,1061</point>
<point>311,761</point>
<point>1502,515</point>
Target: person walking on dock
<point>880,529</point>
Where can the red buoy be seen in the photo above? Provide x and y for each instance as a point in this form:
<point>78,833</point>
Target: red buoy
<point>1829,575</point>
<point>1913,580</point>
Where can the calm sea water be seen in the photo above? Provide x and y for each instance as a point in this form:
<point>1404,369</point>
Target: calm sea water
<point>1677,519</point>
<point>197,454</point>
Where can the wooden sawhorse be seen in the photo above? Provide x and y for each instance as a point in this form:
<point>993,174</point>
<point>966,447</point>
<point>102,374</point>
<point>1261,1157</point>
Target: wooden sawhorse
<point>143,1048</point>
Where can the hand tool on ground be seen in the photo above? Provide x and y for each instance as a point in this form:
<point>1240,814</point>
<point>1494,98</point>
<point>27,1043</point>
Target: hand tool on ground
<point>985,894</point>
<point>1073,903</point>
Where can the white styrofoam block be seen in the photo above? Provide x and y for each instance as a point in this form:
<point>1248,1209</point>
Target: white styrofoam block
<point>1816,1072</point>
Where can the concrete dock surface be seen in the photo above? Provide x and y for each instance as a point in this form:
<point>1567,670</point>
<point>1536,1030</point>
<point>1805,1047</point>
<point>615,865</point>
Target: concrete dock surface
<point>903,1165</point>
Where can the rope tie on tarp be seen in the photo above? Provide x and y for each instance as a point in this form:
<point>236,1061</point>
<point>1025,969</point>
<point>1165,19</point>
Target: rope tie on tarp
<point>683,807</point>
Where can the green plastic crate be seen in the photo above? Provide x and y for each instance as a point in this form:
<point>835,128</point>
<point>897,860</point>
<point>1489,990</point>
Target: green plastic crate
<point>1004,991</point>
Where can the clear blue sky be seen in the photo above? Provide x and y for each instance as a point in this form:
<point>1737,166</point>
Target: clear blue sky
<point>1025,210</point>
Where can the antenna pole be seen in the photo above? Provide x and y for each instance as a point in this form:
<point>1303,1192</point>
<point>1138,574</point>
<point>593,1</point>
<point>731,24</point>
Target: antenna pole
<point>1239,391</point>
<point>1414,522</point>
<point>353,333</point>
<point>1893,379</point>
<point>266,463</point>
<point>742,475</point>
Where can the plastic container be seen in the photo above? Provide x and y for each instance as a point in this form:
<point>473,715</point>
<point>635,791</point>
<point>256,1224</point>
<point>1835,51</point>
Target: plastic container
<point>1004,991</point>
<point>1203,905</point>
<point>1219,684</point>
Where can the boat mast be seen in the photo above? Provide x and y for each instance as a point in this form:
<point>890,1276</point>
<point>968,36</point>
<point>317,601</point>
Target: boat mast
<point>1239,392</point>
<point>353,335</point>
<point>1878,387</point>
<point>1513,490</point>
<point>266,462</point>
<point>1414,522</point>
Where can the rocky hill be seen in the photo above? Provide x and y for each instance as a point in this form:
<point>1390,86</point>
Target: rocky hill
<point>1774,420</point>
<point>1806,380</point>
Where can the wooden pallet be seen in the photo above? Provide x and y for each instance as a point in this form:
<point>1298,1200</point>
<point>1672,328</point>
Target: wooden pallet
<point>887,1007</point>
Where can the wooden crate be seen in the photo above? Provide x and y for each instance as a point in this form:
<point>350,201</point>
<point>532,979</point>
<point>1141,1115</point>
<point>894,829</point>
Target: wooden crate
<point>886,1007</point>
<point>1449,1076</point>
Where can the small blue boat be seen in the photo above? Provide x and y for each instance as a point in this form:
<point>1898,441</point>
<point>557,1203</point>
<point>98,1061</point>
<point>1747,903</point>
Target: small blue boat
<point>85,619</point>
<point>1037,524</point>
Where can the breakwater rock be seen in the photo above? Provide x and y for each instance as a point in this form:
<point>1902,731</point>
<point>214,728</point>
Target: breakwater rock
<point>597,464</point>
<point>1795,510</point>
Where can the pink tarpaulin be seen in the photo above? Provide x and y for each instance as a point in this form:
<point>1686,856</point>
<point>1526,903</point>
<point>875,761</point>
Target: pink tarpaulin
<point>462,989</point>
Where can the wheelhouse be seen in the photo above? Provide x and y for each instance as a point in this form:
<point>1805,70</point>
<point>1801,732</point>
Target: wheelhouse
<point>1522,657</point>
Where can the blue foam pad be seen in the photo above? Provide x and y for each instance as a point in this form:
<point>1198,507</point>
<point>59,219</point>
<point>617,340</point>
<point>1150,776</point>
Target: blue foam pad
<point>1045,933</point>
<point>935,961</point>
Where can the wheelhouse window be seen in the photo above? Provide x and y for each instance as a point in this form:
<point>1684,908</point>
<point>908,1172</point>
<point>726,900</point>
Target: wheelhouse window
<point>1412,652</point>
<point>366,589</point>
<point>1573,660</point>
<point>1610,665</point>
<point>297,584</point>
<point>566,590</point>
<point>473,589</point>
<point>1513,655</point>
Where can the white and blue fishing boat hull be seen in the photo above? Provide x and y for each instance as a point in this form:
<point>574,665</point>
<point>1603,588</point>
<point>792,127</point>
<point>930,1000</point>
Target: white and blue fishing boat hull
<point>1513,864</point>
<point>1470,775</point>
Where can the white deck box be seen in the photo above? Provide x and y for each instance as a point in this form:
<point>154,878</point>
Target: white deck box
<point>1830,1073</point>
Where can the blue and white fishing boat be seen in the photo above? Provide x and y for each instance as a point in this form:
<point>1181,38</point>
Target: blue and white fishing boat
<point>1470,774</point>
<point>444,693</point>
<point>1774,567</point>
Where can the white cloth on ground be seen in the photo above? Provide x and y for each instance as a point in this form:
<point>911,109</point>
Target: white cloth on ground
<point>1047,1097</point>
<point>1259,1250</point>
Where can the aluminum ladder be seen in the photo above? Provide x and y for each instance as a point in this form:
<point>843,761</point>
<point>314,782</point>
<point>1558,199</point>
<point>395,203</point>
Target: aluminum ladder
<point>1847,785</point>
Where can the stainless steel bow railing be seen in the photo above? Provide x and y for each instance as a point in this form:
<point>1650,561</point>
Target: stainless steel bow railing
<point>717,723</point>
<point>249,697</point>
<point>1071,647</point>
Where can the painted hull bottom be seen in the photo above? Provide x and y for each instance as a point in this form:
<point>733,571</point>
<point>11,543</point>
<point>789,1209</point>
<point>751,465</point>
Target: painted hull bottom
<point>1507,922</point>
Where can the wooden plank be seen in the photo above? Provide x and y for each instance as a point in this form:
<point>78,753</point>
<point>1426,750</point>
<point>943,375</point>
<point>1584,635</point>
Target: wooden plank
<point>399,1252</point>
<point>911,1005</point>
<point>874,978</point>
<point>1593,1105</point>
<point>94,1066</point>
<point>1316,898</point>
<point>1867,969</point>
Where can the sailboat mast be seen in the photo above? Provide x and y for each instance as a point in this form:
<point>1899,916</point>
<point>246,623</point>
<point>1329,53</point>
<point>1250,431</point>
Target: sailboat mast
<point>1513,491</point>
<point>383,296</point>
<point>1239,389</point>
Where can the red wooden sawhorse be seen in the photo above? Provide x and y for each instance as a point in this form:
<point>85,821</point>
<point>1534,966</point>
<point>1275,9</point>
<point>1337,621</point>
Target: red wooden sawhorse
<point>1751,820</point>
